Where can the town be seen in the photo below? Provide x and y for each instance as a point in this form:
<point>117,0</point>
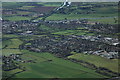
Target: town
<point>31,30</point>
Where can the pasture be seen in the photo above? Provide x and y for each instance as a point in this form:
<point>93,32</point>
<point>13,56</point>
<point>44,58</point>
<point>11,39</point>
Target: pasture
<point>16,18</point>
<point>74,32</point>
<point>11,46</point>
<point>97,60</point>
<point>49,66</point>
<point>53,4</point>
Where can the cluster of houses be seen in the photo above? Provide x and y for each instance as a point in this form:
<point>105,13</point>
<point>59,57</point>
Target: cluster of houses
<point>63,45</point>
<point>24,27</point>
<point>102,53</point>
<point>9,62</point>
<point>99,38</point>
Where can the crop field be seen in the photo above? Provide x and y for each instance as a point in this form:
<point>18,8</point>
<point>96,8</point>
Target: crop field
<point>57,4</point>
<point>12,5</point>
<point>14,43</point>
<point>48,66</point>
<point>23,13</point>
<point>16,18</point>
<point>110,13</point>
<point>74,32</point>
<point>11,46</point>
<point>97,60</point>
<point>82,16</point>
<point>43,9</point>
<point>26,7</point>
<point>9,36</point>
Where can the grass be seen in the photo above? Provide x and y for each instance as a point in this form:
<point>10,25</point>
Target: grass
<point>16,18</point>
<point>9,36</point>
<point>14,71</point>
<point>15,43</point>
<point>57,68</point>
<point>97,60</point>
<point>51,4</point>
<point>12,5</point>
<point>105,21</point>
<point>12,47</point>
<point>43,27</point>
<point>7,52</point>
<point>26,7</point>
<point>99,13</point>
<point>47,28</point>
<point>12,43</point>
<point>77,16</point>
<point>23,13</point>
<point>74,32</point>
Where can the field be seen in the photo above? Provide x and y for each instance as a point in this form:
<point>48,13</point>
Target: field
<point>9,36</point>
<point>43,9</point>
<point>48,66</point>
<point>97,60</point>
<point>74,32</point>
<point>16,18</point>
<point>26,7</point>
<point>103,14</point>
<point>11,46</point>
<point>90,17</point>
<point>57,4</point>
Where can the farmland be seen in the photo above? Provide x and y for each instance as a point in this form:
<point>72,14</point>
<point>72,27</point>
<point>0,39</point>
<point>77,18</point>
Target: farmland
<point>62,69</point>
<point>11,46</point>
<point>17,18</point>
<point>98,61</point>
<point>74,32</point>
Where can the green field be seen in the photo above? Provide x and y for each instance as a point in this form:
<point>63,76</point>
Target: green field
<point>55,68</point>
<point>23,13</point>
<point>11,46</point>
<point>97,60</point>
<point>103,13</point>
<point>12,5</point>
<point>7,52</point>
<point>12,43</point>
<point>9,36</point>
<point>16,18</point>
<point>49,4</point>
<point>74,32</point>
<point>26,7</point>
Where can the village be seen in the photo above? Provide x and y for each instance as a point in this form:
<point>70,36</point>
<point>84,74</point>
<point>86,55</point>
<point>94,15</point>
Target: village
<point>32,28</point>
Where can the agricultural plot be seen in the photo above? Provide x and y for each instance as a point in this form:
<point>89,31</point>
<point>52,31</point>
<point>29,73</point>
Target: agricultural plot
<point>85,12</point>
<point>17,18</point>
<point>11,46</point>
<point>97,60</point>
<point>57,4</point>
<point>12,5</point>
<point>26,7</point>
<point>23,13</point>
<point>48,66</point>
<point>9,36</point>
<point>74,32</point>
<point>7,52</point>
<point>90,17</point>
<point>43,9</point>
<point>14,43</point>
